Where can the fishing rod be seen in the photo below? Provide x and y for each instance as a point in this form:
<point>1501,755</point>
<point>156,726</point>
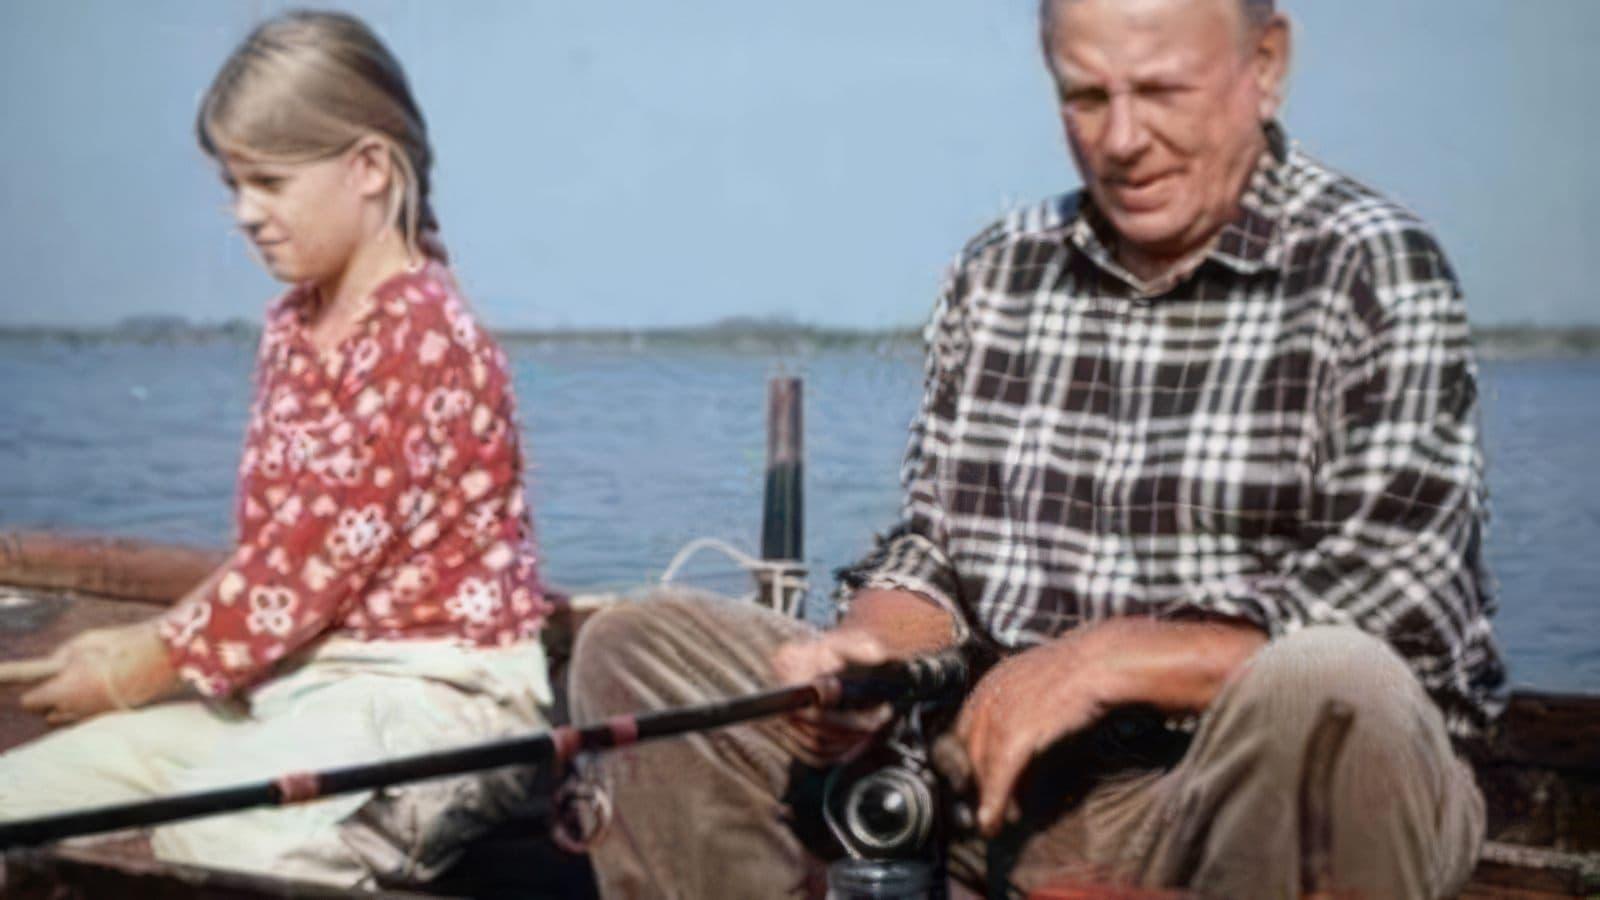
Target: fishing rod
<point>923,679</point>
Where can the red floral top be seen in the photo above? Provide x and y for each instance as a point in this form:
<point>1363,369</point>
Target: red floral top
<point>380,493</point>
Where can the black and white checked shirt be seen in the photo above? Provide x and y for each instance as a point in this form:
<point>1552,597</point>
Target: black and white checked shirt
<point>1286,435</point>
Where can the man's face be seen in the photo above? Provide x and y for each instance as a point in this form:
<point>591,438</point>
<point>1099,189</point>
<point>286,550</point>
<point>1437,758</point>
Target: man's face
<point>1163,102</point>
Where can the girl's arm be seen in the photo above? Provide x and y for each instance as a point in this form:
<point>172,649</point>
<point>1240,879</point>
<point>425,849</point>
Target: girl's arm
<point>104,669</point>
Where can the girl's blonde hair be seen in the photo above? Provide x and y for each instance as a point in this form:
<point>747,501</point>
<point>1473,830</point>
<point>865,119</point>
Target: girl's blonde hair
<point>308,85</point>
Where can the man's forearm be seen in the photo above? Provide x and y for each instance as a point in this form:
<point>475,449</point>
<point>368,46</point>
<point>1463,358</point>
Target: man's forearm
<point>1174,666</point>
<point>905,622</point>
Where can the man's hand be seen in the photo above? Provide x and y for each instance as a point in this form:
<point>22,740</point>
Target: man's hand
<point>831,735</point>
<point>1044,694</point>
<point>102,670</point>
<point>882,625</point>
<point>1022,706</point>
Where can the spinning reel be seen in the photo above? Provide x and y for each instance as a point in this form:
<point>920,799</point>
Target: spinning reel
<point>888,812</point>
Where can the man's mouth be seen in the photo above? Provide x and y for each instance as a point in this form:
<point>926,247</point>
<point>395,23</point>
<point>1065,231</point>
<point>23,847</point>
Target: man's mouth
<point>1141,192</point>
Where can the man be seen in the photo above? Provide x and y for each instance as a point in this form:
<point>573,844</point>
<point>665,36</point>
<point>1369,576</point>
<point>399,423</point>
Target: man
<point>1200,437</point>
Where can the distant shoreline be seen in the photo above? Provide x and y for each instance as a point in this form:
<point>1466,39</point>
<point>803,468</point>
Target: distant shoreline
<point>1493,342</point>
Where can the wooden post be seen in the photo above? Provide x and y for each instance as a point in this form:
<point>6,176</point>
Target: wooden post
<point>783,509</point>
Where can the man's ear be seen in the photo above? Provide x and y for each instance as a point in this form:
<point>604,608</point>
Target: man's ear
<point>371,166</point>
<point>1270,59</point>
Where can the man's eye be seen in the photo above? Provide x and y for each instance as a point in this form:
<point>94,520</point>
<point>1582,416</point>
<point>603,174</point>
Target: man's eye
<point>267,182</point>
<point>1162,92</point>
<point>1084,98</point>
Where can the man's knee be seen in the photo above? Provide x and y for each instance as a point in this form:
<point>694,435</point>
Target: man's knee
<point>674,646</point>
<point>629,633</point>
<point>1295,676</point>
<point>1397,735</point>
<point>1398,798</point>
<point>605,636</point>
<point>607,647</point>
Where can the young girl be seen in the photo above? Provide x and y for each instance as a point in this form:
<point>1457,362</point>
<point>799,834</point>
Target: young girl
<point>382,597</point>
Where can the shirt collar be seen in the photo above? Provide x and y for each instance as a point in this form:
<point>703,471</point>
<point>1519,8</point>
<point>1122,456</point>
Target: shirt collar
<point>1250,242</point>
<point>1247,244</point>
<point>290,317</point>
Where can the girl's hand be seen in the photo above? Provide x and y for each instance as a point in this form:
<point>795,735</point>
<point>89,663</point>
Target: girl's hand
<point>102,670</point>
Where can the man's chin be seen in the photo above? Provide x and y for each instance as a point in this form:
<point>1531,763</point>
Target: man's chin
<point>1155,232</point>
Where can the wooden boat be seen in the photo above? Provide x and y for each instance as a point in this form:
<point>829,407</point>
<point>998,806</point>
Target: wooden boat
<point>1540,768</point>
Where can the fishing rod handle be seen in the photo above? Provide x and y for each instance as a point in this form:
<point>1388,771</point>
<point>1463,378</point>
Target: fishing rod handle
<point>934,677</point>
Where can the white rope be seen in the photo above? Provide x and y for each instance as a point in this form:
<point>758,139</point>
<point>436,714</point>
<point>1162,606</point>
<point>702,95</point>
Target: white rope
<point>785,578</point>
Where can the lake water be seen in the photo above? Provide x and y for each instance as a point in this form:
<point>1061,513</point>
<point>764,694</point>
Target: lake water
<point>635,452</point>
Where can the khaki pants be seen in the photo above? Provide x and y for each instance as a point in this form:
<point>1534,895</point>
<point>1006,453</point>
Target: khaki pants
<point>704,817</point>
<point>342,703</point>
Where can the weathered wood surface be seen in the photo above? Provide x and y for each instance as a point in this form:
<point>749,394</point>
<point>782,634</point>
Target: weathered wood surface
<point>783,505</point>
<point>115,568</point>
<point>783,520</point>
<point>1509,871</point>
<point>1540,772</point>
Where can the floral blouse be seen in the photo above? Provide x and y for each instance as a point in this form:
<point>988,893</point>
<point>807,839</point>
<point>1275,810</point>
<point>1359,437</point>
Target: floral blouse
<point>380,493</point>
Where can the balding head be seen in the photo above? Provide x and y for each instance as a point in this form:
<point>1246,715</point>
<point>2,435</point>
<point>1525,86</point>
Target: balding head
<point>1253,14</point>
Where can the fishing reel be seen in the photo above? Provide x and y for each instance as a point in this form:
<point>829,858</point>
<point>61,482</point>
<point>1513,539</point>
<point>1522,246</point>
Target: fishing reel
<point>887,811</point>
<point>890,813</point>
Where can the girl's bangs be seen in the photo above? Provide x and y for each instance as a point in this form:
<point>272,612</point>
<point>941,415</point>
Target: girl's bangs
<point>258,126</point>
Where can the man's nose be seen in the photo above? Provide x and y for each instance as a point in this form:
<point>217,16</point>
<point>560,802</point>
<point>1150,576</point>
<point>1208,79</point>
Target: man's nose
<point>1126,135</point>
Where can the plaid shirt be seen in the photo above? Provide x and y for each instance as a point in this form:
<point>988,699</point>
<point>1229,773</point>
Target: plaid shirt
<point>1286,434</point>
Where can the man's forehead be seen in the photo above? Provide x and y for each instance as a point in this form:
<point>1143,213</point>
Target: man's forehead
<point>1144,38</point>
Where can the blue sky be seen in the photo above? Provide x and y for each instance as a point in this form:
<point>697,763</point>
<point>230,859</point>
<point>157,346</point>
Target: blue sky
<point>638,163</point>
